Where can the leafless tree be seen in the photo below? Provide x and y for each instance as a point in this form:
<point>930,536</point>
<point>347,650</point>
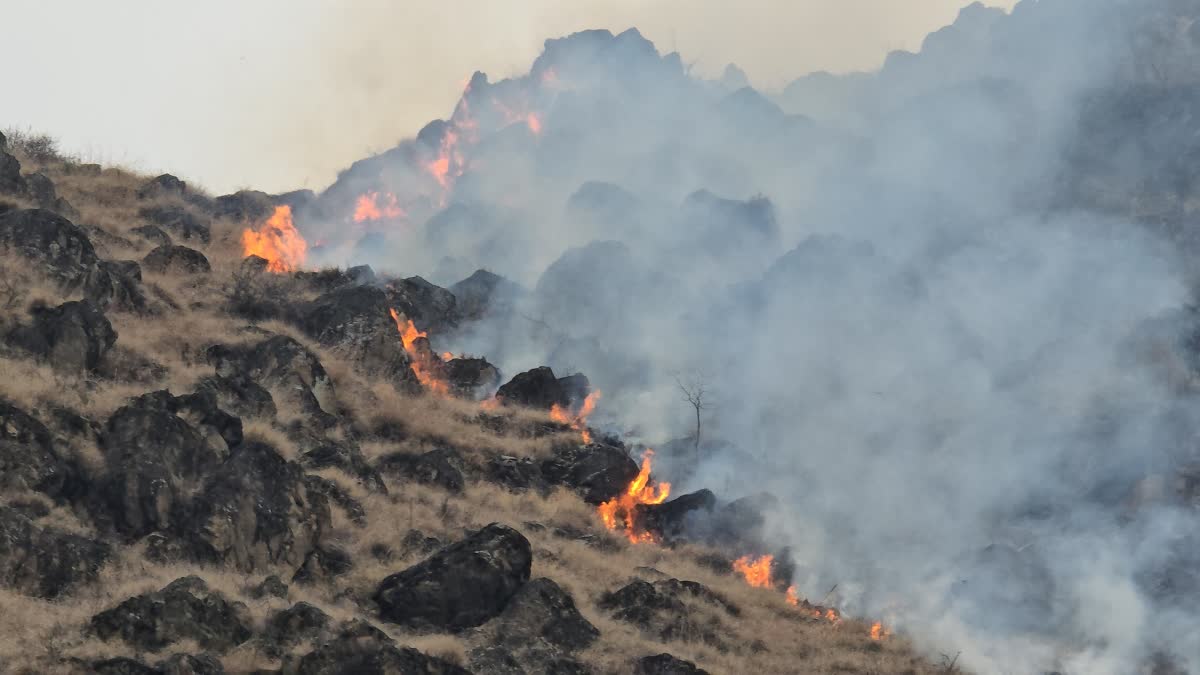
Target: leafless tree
<point>696,391</point>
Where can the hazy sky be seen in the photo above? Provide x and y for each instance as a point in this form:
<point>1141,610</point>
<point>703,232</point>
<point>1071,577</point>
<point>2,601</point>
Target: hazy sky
<point>279,94</point>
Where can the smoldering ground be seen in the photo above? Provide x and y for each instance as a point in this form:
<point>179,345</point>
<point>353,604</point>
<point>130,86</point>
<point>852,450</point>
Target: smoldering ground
<point>934,319</point>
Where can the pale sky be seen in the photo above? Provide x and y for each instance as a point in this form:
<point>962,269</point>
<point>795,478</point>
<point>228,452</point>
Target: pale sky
<point>280,94</point>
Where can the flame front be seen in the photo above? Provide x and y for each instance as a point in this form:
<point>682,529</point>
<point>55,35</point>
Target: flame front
<point>374,206</point>
<point>756,571</point>
<point>277,241</point>
<point>422,361</point>
<point>622,507</point>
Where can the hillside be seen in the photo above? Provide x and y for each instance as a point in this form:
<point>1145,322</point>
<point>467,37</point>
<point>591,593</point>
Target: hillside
<point>191,488</point>
<point>889,372</point>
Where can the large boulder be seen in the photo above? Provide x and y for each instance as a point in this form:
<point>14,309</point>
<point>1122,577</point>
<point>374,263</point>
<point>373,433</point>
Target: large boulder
<point>42,191</point>
<point>164,185</point>
<point>356,321</point>
<point>665,664</point>
<point>669,520</point>
<point>45,562</point>
<point>484,293</point>
<point>66,255</point>
<point>430,306</point>
<point>186,609</point>
<point>537,388</point>
<point>257,511</point>
<point>73,337</point>
<point>179,221</point>
<point>178,259</point>
<point>11,180</point>
<point>239,394</point>
<point>670,609</point>
<point>543,611</point>
<point>461,586</point>
<point>28,459</point>
<point>597,472</point>
<point>156,463</point>
<point>285,365</point>
<point>244,206</point>
<point>442,467</point>
<point>471,377</point>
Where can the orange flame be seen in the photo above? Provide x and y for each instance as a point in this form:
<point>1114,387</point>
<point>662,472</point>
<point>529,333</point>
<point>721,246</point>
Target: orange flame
<point>534,124</point>
<point>879,633</point>
<point>369,207</point>
<point>578,421</point>
<point>792,598</point>
<point>490,404</point>
<point>639,491</point>
<point>757,571</point>
<point>421,360</point>
<point>277,241</point>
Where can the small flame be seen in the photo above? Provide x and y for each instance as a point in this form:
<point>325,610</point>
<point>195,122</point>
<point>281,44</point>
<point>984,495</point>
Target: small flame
<point>421,360</point>
<point>277,241</point>
<point>623,506</point>
<point>534,124</point>
<point>879,633</point>
<point>578,421</point>
<point>756,571</point>
<point>792,598</point>
<point>490,404</point>
<point>374,206</point>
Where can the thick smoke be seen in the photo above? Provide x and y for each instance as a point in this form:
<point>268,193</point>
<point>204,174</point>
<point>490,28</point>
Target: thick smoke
<point>939,308</point>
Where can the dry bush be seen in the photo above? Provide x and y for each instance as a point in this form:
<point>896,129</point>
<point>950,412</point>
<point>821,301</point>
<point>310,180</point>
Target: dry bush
<point>264,432</point>
<point>446,647</point>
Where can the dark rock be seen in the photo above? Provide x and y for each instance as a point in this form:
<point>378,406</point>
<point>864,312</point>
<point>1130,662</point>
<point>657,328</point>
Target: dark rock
<point>665,664</point>
<point>415,542</point>
<point>430,306</point>
<point>542,610</point>
<point>28,458</point>
<point>187,664</point>
<point>44,562</point>
<point>11,180</point>
<point>597,472</point>
<point>153,234</point>
<point>323,564</point>
<point>301,622</point>
<point>184,610</point>
<point>442,467</point>
<point>494,660</point>
<point>285,365</point>
<point>332,278</point>
<point>178,220</point>
<point>518,473</point>
<point>72,337</point>
<point>239,394</point>
<point>345,455</point>
<point>41,190</point>
<point>741,520</point>
<point>356,321</point>
<point>271,587</point>
<point>156,462</point>
<point>471,377</point>
<point>117,284</point>
<point>245,205</point>
<point>537,388</point>
<point>67,256</point>
<point>336,495</point>
<point>669,520</point>
<point>253,264</point>
<point>575,388</point>
<point>484,293</point>
<point>661,609</point>
<point>257,510</point>
<point>165,185</point>
<point>177,259</point>
<point>461,586</point>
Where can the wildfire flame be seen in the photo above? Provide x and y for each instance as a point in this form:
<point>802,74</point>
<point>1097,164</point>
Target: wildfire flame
<point>578,421</point>
<point>422,361</point>
<point>374,206</point>
<point>277,241</point>
<point>756,571</point>
<point>621,508</point>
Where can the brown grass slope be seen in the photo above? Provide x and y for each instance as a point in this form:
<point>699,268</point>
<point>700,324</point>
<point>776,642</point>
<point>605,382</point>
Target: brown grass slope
<point>37,635</point>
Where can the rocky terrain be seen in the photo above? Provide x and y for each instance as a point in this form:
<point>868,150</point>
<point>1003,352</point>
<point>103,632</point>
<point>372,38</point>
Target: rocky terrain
<point>618,369</point>
<point>209,466</point>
